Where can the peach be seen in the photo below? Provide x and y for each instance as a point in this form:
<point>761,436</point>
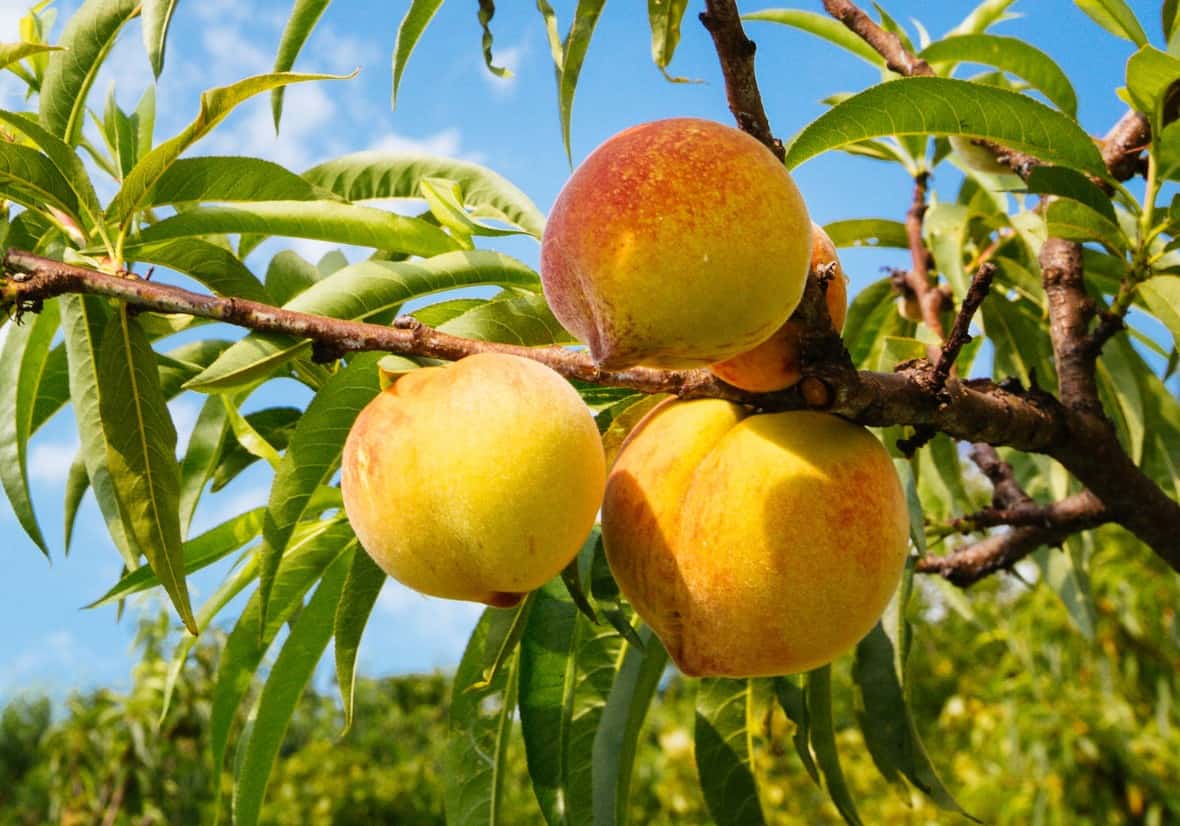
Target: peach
<point>476,481</point>
<point>676,243</point>
<point>776,363</point>
<point>754,545</point>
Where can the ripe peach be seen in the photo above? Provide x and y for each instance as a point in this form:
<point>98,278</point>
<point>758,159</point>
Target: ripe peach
<point>478,480</point>
<point>754,545</point>
<point>676,243</point>
<point>775,364</point>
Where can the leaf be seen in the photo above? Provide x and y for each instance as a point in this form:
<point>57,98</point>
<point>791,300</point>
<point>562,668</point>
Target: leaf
<point>199,552</point>
<point>664,17</point>
<point>1009,54</point>
<point>157,16</point>
<point>577,41</point>
<point>1118,371</point>
<point>85,42</point>
<point>1161,294</point>
<point>1151,77</point>
<point>615,741</point>
<point>319,220</point>
<point>1116,17</point>
<point>33,181</point>
<point>868,232</point>
<point>84,322</point>
<point>141,454</point>
<point>77,483</point>
<point>823,743</point>
<point>487,10</point>
<point>15,52</point>
<point>821,26</point>
<point>724,752</point>
<point>228,179</point>
<point>216,104</point>
<point>480,726</point>
<point>872,318</point>
<point>22,367</point>
<point>1075,221</point>
<point>566,668</point>
<point>288,677</point>
<point>362,291</point>
<point>982,17</point>
<point>201,457</point>
<point>793,700</point>
<point>1020,342</point>
<point>418,16</point>
<point>1058,180</point>
<point>65,159</point>
<point>312,458</point>
<point>299,26</point>
<point>273,424</point>
<point>514,319</point>
<point>943,106</point>
<point>375,175</point>
<point>209,264</point>
<point>361,590</point>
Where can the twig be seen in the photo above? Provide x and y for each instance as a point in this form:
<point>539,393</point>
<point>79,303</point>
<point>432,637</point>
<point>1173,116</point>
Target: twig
<point>917,278</point>
<point>1000,552</point>
<point>736,54</point>
<point>886,44</point>
<point>1079,511</point>
<point>1006,490</point>
<point>981,282</point>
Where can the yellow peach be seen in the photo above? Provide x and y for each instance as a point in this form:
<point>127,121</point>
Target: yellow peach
<point>477,481</point>
<point>754,545</point>
<point>676,243</point>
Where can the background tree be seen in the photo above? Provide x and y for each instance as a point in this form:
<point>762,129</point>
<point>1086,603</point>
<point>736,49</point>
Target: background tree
<point>1071,425</point>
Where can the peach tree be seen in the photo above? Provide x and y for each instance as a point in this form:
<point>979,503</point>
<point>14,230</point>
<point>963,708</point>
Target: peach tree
<point>1055,248</point>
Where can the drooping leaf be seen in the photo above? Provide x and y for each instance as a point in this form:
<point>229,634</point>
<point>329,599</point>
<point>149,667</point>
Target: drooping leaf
<point>141,454</point>
<point>480,727</point>
<point>229,179</point>
<point>1152,76</point>
<point>157,16</point>
<point>33,180</point>
<point>982,17</point>
<point>22,366</point>
<point>201,457</point>
<point>872,318</point>
<point>77,483</point>
<point>823,743</point>
<point>523,319</point>
<point>362,291</point>
<point>622,718</point>
<point>272,424</point>
<point>823,26</point>
<point>14,52</point>
<point>209,264</point>
<point>65,159</point>
<point>1116,17</point>
<point>312,457</point>
<point>792,698</point>
<point>943,106</point>
<point>664,17</point>
<point>1057,180</point>
<point>418,16</point>
<point>1162,297</point>
<point>868,232</point>
<point>577,42</point>
<point>299,26</point>
<point>1010,54</point>
<point>1075,221</point>
<point>361,589</point>
<point>724,752</point>
<point>288,677</point>
<point>487,10</point>
<point>86,42</point>
<point>373,175</point>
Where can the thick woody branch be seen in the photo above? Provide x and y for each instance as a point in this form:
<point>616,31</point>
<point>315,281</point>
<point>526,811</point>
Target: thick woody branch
<point>1122,148</point>
<point>1070,313</point>
<point>736,54</point>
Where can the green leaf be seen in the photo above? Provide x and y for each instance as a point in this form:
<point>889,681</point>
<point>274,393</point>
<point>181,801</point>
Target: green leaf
<point>157,16</point>
<point>273,424</point>
<point>872,318</point>
<point>141,454</point>
<point>86,42</point>
<point>417,17</point>
<point>1075,221</point>
<point>14,52</point>
<point>1020,341</point>
<point>1161,294</point>
<point>362,291</point>
<point>982,17</point>
<point>523,319</point>
<point>22,368</point>
<point>216,104</point>
<point>361,590</point>
<point>487,10</point>
<point>1116,17</point>
<point>724,751</point>
<point>821,26</point>
<point>868,232</point>
<point>823,743</point>
<point>615,741</point>
<point>201,457</point>
<point>288,274</point>
<point>793,700</point>
<point>299,26</point>
<point>32,180</point>
<point>312,457</point>
<point>84,322</point>
<point>480,726</point>
<point>577,42</point>
<point>943,106</point>
<point>1057,180</point>
<point>62,156</point>
<point>944,229</point>
<point>445,200</point>
<point>1010,54</point>
<point>288,677</point>
<point>319,220</point>
<point>374,175</point>
<point>1151,77</point>
<point>209,264</point>
<point>1118,371</point>
<point>567,665</point>
<point>664,17</point>
<point>229,179</point>
<point>199,552</point>
<point>53,389</point>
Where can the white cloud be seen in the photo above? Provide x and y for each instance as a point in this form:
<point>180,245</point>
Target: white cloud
<point>444,142</point>
<point>50,461</point>
<point>307,112</point>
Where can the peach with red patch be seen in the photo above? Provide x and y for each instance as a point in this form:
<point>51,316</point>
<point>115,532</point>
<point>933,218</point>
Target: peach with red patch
<point>676,243</point>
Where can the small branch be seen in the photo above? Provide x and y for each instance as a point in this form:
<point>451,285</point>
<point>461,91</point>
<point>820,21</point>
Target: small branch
<point>736,54</point>
<point>1000,552</point>
<point>886,44</point>
<point>1122,148</point>
<point>1005,489</point>
<point>917,278</point>
<point>981,283</point>
<point>1077,512</point>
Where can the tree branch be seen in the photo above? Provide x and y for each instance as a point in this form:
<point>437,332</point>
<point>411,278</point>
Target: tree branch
<point>1122,148</point>
<point>998,552</point>
<point>885,43</point>
<point>1070,312</point>
<point>981,283</point>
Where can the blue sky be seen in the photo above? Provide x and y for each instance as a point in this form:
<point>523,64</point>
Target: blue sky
<point>449,105</point>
